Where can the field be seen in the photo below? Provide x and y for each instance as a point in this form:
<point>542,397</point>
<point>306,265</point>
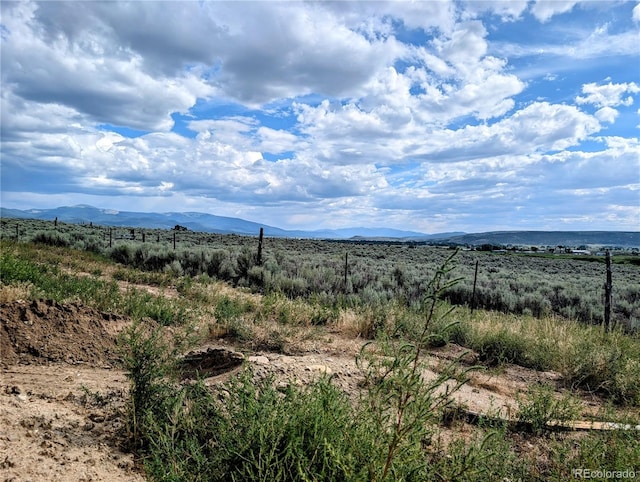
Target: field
<point>124,359</point>
<point>376,273</point>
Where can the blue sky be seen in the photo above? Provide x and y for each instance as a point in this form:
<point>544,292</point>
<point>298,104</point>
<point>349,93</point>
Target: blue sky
<point>426,115</point>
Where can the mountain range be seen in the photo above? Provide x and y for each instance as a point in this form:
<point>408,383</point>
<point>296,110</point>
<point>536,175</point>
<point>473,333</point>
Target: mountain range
<point>204,222</point>
<point>197,221</point>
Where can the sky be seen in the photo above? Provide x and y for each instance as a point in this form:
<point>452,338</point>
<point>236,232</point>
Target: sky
<point>428,116</point>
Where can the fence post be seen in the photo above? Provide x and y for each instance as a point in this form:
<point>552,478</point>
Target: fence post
<point>473,295</point>
<point>607,295</point>
<point>346,270</point>
<point>110,238</point>
<point>259,259</point>
<point>174,240</point>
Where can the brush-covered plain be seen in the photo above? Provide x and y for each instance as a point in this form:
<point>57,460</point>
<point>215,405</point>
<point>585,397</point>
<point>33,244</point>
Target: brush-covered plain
<point>400,300</point>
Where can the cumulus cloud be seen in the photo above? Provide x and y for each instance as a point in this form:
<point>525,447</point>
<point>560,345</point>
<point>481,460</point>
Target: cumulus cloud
<point>507,10</point>
<point>606,114</point>
<point>543,10</point>
<point>372,17</point>
<point>112,60</point>
<point>316,113</point>
<point>47,64</point>
<point>609,95</point>
<point>549,126</point>
<point>280,52</point>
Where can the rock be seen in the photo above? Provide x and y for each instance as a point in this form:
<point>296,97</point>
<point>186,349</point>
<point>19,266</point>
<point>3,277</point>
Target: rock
<point>319,368</point>
<point>8,437</point>
<point>470,358</point>
<point>259,360</point>
<point>97,418</point>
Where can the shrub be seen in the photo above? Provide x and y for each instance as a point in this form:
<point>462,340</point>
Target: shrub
<point>122,253</point>
<point>606,363</point>
<point>249,430</point>
<point>501,346</point>
<point>52,239</point>
<point>541,407</point>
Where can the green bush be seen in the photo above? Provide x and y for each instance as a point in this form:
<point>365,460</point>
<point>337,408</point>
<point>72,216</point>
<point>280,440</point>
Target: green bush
<point>376,272</point>
<point>540,407</point>
<point>502,346</point>
<point>52,239</point>
<point>607,363</point>
<point>248,430</point>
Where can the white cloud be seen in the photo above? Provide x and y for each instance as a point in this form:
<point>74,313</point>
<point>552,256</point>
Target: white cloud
<point>581,44</point>
<point>608,95</point>
<point>389,121</point>
<point>547,126</point>
<point>543,10</point>
<point>636,13</point>
<point>507,10</point>
<point>114,63</point>
<point>372,18</point>
<point>277,141</point>
<point>606,114</point>
<point>44,66</point>
<point>414,116</point>
<point>466,44</point>
<point>539,127</point>
<point>284,50</point>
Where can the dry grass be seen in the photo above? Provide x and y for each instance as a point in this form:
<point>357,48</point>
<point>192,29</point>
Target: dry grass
<point>350,324</point>
<point>20,291</point>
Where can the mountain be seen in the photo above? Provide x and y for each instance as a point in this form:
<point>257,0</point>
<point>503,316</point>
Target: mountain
<point>550,238</point>
<point>108,217</point>
<point>194,221</point>
<point>226,225</point>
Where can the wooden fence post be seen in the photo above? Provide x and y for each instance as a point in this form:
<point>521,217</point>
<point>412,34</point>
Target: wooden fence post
<point>473,295</point>
<point>607,295</point>
<point>174,240</point>
<point>346,270</point>
<point>259,259</point>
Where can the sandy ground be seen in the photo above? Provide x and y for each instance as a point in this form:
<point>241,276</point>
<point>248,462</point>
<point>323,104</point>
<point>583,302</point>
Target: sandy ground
<point>63,423</point>
<point>63,397</point>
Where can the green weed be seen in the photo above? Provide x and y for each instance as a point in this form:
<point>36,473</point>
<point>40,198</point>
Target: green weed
<point>541,406</point>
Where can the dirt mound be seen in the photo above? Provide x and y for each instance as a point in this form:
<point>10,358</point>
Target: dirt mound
<point>44,331</point>
<point>210,362</point>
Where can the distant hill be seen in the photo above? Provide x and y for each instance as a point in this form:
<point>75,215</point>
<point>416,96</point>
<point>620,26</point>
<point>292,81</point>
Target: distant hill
<point>226,225</point>
<point>624,239</point>
<point>194,221</point>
